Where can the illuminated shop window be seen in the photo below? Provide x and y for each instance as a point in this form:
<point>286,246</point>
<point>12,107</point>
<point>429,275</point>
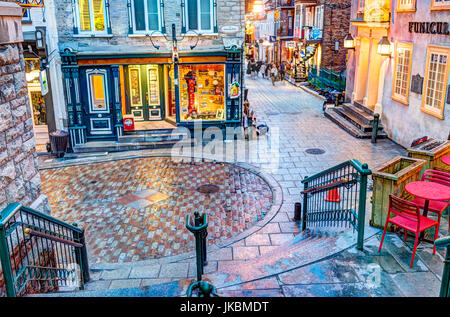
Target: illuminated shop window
<point>402,72</point>
<point>91,15</point>
<point>406,5</point>
<point>440,5</point>
<point>202,92</point>
<point>436,81</point>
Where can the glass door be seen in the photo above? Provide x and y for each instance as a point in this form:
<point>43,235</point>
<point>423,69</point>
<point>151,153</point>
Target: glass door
<point>154,108</point>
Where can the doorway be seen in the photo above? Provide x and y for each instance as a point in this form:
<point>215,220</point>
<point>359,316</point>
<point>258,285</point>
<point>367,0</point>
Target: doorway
<point>145,92</point>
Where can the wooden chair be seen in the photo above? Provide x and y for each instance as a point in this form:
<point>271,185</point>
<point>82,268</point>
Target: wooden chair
<point>406,215</point>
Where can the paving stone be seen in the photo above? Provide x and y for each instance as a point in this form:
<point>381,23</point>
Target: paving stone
<point>116,284</point>
<point>271,227</point>
<point>326,290</point>
<point>116,274</point>
<point>222,254</point>
<point>154,281</point>
<point>280,238</point>
<point>178,270</point>
<point>257,239</point>
<point>241,253</point>
<point>97,285</point>
<point>263,249</point>
<point>290,227</point>
<point>148,271</point>
<point>417,284</point>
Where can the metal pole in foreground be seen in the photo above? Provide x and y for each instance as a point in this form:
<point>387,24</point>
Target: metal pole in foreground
<point>297,211</point>
<point>199,229</point>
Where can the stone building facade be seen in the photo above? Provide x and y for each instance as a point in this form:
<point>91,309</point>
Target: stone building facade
<point>125,51</point>
<point>408,85</point>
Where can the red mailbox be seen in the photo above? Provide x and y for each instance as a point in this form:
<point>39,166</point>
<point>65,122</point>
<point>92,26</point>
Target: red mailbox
<point>128,124</point>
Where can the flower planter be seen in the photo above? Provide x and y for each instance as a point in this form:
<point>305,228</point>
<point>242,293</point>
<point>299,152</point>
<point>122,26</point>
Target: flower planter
<point>431,151</point>
<point>391,178</point>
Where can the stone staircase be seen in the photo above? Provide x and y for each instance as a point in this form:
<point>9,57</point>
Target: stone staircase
<point>141,279</point>
<point>139,140</point>
<point>356,119</point>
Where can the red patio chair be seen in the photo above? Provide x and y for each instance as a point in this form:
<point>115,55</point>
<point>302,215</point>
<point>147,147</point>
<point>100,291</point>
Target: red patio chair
<point>435,206</point>
<point>407,216</point>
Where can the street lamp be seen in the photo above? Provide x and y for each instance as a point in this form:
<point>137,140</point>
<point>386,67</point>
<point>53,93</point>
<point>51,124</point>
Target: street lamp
<point>384,47</point>
<point>349,42</point>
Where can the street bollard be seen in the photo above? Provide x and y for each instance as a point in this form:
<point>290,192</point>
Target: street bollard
<point>199,228</point>
<point>376,120</point>
<point>297,211</point>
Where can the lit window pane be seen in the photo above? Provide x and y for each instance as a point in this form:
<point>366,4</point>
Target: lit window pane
<point>85,19</point>
<point>98,92</point>
<point>99,18</point>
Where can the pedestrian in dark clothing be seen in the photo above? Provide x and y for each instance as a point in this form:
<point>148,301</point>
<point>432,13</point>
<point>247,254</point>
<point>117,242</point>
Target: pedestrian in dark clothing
<point>282,71</point>
<point>258,68</point>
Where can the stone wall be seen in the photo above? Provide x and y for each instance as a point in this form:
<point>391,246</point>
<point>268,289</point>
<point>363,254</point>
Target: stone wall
<point>335,27</point>
<point>19,175</point>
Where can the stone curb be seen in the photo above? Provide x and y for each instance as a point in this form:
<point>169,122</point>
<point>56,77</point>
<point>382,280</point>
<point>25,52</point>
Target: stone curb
<point>312,92</point>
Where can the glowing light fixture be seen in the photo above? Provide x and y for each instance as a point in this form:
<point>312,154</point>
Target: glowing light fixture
<point>257,6</point>
<point>349,42</point>
<point>384,47</point>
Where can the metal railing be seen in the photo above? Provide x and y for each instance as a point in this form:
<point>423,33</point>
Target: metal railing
<point>337,197</point>
<point>326,78</point>
<point>445,283</point>
<point>39,253</point>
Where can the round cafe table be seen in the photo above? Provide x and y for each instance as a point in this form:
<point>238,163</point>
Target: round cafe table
<point>446,160</point>
<point>428,191</point>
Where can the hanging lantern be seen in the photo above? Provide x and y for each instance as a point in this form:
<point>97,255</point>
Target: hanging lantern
<point>349,41</point>
<point>384,47</point>
<point>257,6</point>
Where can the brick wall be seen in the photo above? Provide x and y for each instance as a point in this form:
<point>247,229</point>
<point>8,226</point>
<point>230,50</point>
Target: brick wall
<point>336,27</point>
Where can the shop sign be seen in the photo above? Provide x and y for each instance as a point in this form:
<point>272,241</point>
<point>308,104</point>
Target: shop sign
<point>315,34</point>
<point>417,84</point>
<point>429,27</point>
<point>290,44</point>
<point>44,82</point>
<point>234,90</point>
<point>276,15</point>
<point>272,38</point>
<point>128,124</point>
<point>377,10</point>
<point>230,29</point>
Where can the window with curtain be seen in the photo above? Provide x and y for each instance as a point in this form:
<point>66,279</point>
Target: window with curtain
<point>402,72</point>
<point>91,15</point>
<point>436,81</point>
<point>199,15</point>
<point>146,15</point>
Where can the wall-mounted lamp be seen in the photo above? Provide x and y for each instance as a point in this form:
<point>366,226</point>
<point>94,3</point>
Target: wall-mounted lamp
<point>349,42</point>
<point>384,47</point>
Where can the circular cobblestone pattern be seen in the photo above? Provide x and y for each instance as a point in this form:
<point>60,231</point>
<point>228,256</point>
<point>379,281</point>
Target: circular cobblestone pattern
<point>136,209</point>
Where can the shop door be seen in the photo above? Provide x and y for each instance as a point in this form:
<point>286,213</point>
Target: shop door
<point>146,92</point>
<point>97,102</point>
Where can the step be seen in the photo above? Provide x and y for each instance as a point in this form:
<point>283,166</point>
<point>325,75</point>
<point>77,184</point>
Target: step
<point>363,116</point>
<point>362,108</point>
<point>111,146</point>
<point>356,121</point>
<point>152,137</point>
<point>337,118</point>
<point>150,131</point>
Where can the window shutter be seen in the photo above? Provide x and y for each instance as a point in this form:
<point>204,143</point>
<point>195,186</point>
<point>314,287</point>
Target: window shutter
<point>130,17</point>
<point>215,16</point>
<point>163,17</point>
<point>75,16</point>
<point>107,18</point>
<point>183,16</point>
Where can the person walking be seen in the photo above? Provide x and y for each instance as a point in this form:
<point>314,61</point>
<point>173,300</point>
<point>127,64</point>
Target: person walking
<point>258,67</point>
<point>263,70</point>
<point>273,74</point>
<point>253,68</point>
<point>267,70</point>
<point>282,71</point>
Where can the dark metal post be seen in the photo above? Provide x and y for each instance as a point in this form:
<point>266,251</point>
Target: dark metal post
<point>305,205</point>
<point>297,211</point>
<point>376,119</point>
<point>362,205</point>
<point>199,229</point>
<point>6,264</point>
<point>445,283</point>
<point>81,257</point>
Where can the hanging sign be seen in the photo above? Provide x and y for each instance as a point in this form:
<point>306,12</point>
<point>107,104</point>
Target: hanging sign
<point>290,44</point>
<point>234,90</point>
<point>377,10</point>
<point>44,82</point>
<point>276,15</point>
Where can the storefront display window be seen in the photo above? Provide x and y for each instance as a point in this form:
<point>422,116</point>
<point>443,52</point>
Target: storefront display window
<point>202,92</point>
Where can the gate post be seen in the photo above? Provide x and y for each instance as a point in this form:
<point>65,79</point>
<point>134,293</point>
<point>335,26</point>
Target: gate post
<point>305,205</point>
<point>199,229</point>
<point>6,264</point>
<point>362,205</point>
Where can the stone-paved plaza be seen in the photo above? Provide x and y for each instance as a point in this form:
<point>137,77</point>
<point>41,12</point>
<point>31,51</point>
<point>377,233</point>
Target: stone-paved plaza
<point>135,210</point>
<point>268,257</point>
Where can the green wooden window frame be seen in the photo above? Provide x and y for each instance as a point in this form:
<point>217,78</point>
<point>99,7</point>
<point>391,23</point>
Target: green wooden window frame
<point>146,16</point>
<point>199,16</point>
